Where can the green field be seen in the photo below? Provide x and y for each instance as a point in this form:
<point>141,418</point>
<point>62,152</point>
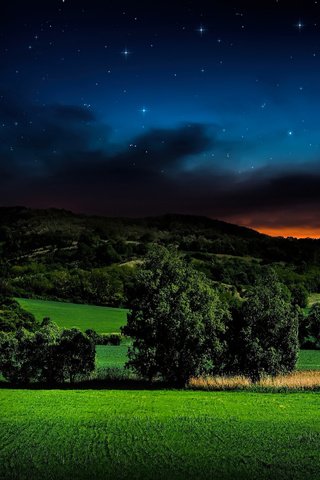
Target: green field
<point>109,434</point>
<point>60,434</point>
<point>110,356</point>
<point>69,315</point>
<point>309,360</point>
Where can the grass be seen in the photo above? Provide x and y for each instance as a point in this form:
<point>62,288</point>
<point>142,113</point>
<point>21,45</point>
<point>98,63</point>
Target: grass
<point>145,434</point>
<point>109,356</point>
<point>102,319</point>
<point>108,434</point>
<point>309,360</point>
<point>296,381</point>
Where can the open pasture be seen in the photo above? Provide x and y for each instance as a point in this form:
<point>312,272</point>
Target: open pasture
<point>70,315</point>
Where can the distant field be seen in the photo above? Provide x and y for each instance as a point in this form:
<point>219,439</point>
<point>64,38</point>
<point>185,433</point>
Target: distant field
<point>110,356</point>
<point>309,360</point>
<point>172,435</point>
<point>69,315</point>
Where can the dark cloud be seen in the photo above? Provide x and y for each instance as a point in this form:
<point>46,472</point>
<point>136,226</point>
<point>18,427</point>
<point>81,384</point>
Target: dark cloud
<point>63,156</point>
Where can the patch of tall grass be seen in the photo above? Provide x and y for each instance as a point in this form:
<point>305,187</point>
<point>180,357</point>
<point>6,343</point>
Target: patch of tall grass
<point>298,381</point>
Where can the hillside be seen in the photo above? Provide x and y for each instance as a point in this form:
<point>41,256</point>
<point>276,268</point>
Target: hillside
<point>56,254</point>
<point>53,227</point>
<point>31,221</point>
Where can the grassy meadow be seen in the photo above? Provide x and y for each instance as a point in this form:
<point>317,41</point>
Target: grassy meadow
<point>111,434</point>
<point>69,315</point>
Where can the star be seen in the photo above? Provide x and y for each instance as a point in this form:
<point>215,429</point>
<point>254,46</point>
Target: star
<point>290,133</point>
<point>300,25</point>
<point>125,52</point>
<point>143,110</point>
<point>201,30</point>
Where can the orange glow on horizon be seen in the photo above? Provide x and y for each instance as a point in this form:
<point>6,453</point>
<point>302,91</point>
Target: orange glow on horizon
<point>297,232</point>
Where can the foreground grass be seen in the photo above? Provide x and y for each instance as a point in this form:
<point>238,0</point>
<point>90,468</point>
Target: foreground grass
<point>86,434</point>
<point>69,315</point>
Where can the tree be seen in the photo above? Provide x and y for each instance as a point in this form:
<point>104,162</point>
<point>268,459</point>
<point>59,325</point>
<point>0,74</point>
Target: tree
<point>13,316</point>
<point>74,355</point>
<point>46,355</point>
<point>313,322</point>
<point>176,321</point>
<point>299,295</point>
<point>268,340</point>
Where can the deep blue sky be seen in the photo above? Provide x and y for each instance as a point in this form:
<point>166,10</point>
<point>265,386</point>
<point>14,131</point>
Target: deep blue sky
<point>197,107</point>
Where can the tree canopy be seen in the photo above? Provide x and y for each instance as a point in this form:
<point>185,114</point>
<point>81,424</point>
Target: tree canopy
<point>176,322</point>
<point>47,355</point>
<point>268,339</point>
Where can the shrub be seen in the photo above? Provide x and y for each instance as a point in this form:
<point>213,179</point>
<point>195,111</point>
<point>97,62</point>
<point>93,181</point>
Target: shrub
<point>103,339</point>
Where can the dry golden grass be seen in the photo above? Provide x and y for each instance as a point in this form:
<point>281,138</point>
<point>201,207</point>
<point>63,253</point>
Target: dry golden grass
<point>305,380</point>
<point>300,381</point>
<point>220,383</point>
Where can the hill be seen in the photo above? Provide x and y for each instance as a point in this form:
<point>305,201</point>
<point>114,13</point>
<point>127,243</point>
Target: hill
<point>56,254</point>
<point>31,229</point>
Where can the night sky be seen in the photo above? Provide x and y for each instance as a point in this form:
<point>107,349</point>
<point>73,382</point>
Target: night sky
<point>144,108</point>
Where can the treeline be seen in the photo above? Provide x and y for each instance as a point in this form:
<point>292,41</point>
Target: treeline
<point>242,273</point>
<point>181,327</point>
<point>110,285</point>
<point>101,286</point>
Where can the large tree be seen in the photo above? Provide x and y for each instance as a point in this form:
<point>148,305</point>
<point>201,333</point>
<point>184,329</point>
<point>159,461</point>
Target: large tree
<point>176,321</point>
<point>268,340</point>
